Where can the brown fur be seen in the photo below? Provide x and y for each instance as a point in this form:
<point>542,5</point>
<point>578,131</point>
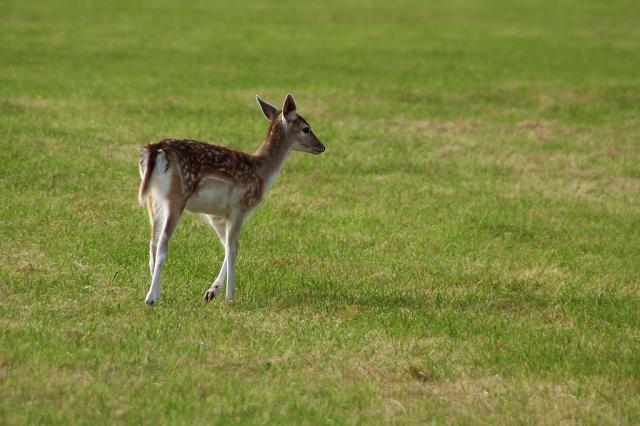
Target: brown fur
<point>193,160</point>
<point>190,163</point>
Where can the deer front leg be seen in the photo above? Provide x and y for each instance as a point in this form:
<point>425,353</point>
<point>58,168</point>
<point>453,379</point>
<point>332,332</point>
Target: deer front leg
<point>216,287</point>
<point>219,225</point>
<point>231,249</point>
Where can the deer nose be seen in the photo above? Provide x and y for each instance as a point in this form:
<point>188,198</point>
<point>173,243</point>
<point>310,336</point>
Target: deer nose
<point>321,148</point>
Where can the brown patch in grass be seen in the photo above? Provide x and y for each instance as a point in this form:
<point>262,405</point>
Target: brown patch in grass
<point>29,259</point>
<point>547,274</point>
<point>491,398</point>
<point>517,32</point>
<point>26,104</point>
<point>420,375</point>
<point>540,129</point>
<point>430,126</point>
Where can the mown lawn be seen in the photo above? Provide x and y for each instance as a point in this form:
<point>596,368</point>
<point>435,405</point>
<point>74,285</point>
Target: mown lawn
<point>466,251</point>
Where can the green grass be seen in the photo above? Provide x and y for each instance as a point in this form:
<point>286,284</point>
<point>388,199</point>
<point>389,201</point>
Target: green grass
<point>466,251</point>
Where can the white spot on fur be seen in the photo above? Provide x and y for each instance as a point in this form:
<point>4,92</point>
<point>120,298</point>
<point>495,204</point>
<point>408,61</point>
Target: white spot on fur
<point>143,162</point>
<point>161,178</point>
<point>215,195</point>
<point>289,118</point>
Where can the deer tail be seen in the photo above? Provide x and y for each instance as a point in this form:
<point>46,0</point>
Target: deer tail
<point>148,157</point>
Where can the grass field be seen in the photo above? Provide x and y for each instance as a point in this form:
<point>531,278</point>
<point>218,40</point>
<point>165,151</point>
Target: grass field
<point>466,251</point>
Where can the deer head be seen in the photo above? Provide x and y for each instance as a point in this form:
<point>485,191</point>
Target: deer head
<point>297,132</point>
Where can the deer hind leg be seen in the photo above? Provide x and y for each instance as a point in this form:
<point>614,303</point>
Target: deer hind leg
<point>171,218</point>
<point>219,224</point>
<point>155,228</point>
<point>168,204</point>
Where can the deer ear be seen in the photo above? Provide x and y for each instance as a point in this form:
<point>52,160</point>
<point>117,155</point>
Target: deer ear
<point>269,110</point>
<point>289,108</point>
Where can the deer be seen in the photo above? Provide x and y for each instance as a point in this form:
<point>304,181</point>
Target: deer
<point>222,183</point>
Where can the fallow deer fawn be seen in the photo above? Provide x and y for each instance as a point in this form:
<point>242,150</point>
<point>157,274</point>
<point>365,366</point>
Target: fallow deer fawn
<point>223,183</point>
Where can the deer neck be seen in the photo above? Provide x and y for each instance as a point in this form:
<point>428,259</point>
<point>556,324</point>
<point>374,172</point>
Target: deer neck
<point>272,154</point>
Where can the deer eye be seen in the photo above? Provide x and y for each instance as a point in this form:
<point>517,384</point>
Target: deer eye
<point>306,130</point>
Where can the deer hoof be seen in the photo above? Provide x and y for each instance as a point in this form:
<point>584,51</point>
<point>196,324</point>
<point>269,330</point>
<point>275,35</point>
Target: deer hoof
<point>211,293</point>
<point>208,295</point>
<point>150,299</point>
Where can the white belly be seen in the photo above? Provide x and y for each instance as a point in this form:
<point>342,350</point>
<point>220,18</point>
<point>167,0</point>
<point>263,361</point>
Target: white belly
<point>215,197</point>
